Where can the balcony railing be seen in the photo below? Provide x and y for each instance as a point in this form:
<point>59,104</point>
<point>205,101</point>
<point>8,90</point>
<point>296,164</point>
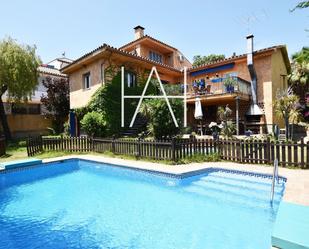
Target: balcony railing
<point>220,86</point>
<point>217,86</point>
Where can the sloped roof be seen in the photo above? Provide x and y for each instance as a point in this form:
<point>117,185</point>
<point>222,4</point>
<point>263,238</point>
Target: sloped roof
<point>144,38</point>
<point>233,58</point>
<point>50,71</point>
<point>119,51</point>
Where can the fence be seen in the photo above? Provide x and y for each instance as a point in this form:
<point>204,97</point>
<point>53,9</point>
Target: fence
<point>243,151</point>
<point>2,146</point>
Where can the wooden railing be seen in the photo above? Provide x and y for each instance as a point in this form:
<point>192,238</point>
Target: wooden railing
<point>242,151</point>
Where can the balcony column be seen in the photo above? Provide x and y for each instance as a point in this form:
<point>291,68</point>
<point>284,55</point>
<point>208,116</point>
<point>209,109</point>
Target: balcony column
<point>237,115</point>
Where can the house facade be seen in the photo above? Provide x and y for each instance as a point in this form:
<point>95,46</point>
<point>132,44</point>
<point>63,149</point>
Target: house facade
<point>28,118</point>
<point>256,76</point>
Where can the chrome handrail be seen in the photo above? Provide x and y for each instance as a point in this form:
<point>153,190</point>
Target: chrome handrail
<point>275,179</point>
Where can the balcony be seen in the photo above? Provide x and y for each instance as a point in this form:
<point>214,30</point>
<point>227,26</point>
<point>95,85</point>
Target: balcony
<point>219,89</point>
<point>214,90</point>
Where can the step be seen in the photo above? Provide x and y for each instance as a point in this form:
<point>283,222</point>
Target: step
<point>241,177</point>
<point>242,183</point>
<point>238,191</point>
<point>232,199</point>
<point>235,185</point>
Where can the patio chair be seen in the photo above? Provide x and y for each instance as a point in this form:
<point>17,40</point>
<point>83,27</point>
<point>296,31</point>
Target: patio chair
<point>195,87</point>
<point>208,89</point>
<point>202,88</point>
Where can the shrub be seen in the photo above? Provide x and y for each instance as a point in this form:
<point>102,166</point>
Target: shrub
<point>107,100</point>
<point>199,158</point>
<point>94,124</point>
<point>161,123</point>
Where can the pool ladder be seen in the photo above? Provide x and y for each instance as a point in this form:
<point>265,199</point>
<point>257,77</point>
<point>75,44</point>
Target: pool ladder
<point>275,179</point>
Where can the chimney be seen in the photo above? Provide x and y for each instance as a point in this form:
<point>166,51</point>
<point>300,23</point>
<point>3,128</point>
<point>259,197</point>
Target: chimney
<point>250,49</point>
<point>254,109</point>
<point>138,32</point>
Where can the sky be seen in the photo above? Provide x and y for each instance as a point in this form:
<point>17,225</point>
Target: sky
<point>195,27</point>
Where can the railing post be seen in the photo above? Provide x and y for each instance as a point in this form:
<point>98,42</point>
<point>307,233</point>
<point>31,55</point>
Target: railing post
<point>267,151</point>
<point>113,144</point>
<point>41,143</point>
<point>92,144</point>
<point>139,147</point>
<point>174,149</point>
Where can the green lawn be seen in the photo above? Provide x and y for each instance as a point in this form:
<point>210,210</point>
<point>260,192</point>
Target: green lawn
<point>18,151</point>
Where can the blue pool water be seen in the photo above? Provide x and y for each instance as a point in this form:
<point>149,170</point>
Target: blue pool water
<point>82,204</point>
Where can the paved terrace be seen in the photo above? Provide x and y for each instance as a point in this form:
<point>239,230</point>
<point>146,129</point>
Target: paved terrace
<point>297,186</point>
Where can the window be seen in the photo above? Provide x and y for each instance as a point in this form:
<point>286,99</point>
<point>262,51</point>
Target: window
<point>87,80</point>
<point>155,57</point>
<point>231,74</point>
<point>102,73</point>
<point>130,79</point>
<point>26,108</point>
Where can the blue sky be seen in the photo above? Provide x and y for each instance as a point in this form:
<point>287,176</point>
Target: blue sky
<point>194,27</point>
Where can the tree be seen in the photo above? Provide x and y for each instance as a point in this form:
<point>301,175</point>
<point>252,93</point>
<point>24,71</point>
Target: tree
<point>299,78</point>
<point>57,101</point>
<point>286,107</point>
<point>199,60</point>
<point>228,127</point>
<point>18,75</point>
<point>300,68</point>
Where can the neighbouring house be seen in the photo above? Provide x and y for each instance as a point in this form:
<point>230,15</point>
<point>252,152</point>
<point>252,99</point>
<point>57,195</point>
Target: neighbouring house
<point>28,118</point>
<point>254,78</point>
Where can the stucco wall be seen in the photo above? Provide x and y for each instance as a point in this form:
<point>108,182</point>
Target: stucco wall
<point>24,124</point>
<point>278,82</point>
<point>79,96</point>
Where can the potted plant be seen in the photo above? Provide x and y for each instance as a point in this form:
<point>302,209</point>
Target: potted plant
<point>229,84</point>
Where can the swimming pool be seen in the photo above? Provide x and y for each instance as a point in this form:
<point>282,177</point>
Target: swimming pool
<point>84,204</point>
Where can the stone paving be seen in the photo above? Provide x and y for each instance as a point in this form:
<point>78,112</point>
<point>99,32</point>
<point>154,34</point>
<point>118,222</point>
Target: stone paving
<point>297,186</point>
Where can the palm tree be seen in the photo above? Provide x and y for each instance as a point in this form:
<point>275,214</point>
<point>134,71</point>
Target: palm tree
<point>300,68</point>
<point>286,107</point>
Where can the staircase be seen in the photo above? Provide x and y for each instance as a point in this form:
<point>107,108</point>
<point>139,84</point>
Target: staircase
<point>139,124</point>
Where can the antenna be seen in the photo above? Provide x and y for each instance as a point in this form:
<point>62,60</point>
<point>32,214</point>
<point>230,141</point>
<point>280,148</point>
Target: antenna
<point>248,19</point>
<point>63,54</point>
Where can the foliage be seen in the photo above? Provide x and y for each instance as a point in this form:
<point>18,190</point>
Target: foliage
<point>199,60</point>
<point>199,158</point>
<point>81,112</point>
<point>94,124</point>
<point>18,74</point>
<point>107,100</point>
<point>56,101</point>
<point>299,79</point>
<point>66,128</point>
<point>300,68</point>
<point>228,128</point>
<point>286,106</point>
<point>161,123</point>
<point>230,81</point>
<point>301,5</point>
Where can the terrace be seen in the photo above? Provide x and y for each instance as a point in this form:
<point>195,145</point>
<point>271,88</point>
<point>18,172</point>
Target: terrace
<point>212,90</point>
